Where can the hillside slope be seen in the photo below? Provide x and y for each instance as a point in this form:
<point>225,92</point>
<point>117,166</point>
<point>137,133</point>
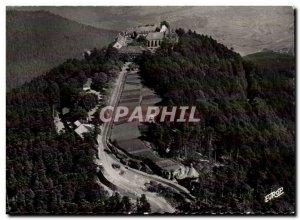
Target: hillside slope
<point>270,58</point>
<point>38,40</point>
<point>247,111</point>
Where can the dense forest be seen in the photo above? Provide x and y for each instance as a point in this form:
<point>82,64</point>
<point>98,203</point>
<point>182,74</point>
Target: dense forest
<point>50,173</point>
<point>34,48</point>
<point>247,127</point>
<point>243,147</point>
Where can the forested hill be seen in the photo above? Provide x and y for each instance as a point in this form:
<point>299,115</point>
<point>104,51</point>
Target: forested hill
<point>38,40</point>
<point>50,173</point>
<point>247,108</point>
<point>271,58</point>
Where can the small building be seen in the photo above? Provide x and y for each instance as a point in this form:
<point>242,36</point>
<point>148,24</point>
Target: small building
<point>193,173</point>
<point>187,172</point>
<point>117,45</point>
<point>83,128</point>
<point>77,123</point>
<point>172,169</point>
<point>65,111</point>
<point>87,85</point>
<point>88,52</point>
<point>169,168</point>
<point>164,29</point>
<point>59,126</point>
<point>121,41</point>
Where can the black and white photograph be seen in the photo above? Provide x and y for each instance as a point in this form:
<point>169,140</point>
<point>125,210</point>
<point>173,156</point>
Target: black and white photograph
<point>149,110</point>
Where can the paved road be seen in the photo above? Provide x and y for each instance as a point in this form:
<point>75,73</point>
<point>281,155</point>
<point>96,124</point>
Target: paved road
<point>131,182</point>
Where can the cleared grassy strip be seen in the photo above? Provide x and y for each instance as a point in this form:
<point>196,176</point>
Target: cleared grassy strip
<point>130,96</point>
<point>133,89</point>
<point>150,102</point>
<point>147,97</point>
<point>136,100</point>
<point>132,145</point>
<point>125,131</point>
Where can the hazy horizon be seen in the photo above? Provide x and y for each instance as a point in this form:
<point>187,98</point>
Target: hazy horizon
<point>246,29</point>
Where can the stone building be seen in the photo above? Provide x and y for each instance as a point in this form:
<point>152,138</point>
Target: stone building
<point>120,41</point>
<point>153,34</point>
<point>154,39</point>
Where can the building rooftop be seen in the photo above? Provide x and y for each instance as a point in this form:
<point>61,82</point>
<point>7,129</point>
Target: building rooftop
<point>187,172</point>
<point>193,173</point>
<point>163,28</point>
<point>143,29</point>
<point>168,165</point>
<point>77,123</point>
<point>65,110</point>
<point>117,45</point>
<point>83,128</point>
<point>132,49</point>
<point>155,36</point>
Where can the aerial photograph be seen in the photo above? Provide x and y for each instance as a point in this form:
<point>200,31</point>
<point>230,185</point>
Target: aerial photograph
<point>150,110</point>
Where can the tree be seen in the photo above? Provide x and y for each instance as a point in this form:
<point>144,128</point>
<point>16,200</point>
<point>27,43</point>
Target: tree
<point>165,23</point>
<point>99,81</point>
<point>142,40</point>
<point>143,205</point>
<point>88,101</point>
<point>127,206</point>
<point>96,130</point>
<point>48,172</point>
<point>180,32</point>
<point>78,113</point>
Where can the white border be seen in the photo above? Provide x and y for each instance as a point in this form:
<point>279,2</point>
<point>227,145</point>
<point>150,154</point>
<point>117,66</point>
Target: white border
<point>5,3</point>
<point>152,2</point>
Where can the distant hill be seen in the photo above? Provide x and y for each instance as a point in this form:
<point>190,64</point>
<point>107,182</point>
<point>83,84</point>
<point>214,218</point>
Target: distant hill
<point>270,58</point>
<point>39,40</point>
<point>246,29</point>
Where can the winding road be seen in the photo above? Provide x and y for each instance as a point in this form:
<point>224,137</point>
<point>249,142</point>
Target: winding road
<point>128,181</point>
